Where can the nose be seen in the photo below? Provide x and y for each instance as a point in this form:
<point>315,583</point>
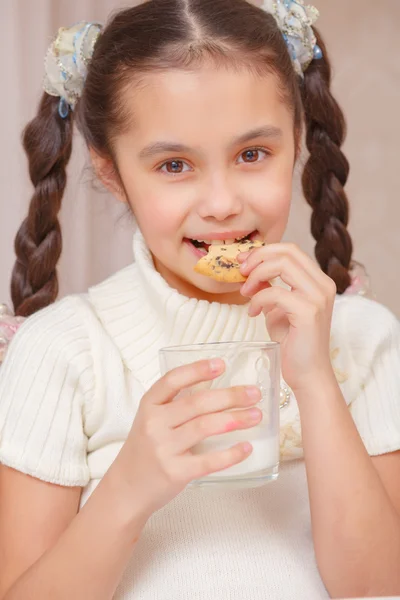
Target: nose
<point>219,201</point>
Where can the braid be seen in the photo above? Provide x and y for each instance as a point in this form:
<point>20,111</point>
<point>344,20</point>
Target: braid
<point>47,142</point>
<point>326,173</point>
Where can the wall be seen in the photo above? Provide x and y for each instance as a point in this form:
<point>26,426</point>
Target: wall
<point>97,231</point>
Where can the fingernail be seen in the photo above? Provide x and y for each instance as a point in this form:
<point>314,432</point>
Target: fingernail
<point>251,312</point>
<point>216,365</point>
<point>255,414</point>
<point>243,255</point>
<point>243,267</point>
<point>253,393</point>
<point>247,447</point>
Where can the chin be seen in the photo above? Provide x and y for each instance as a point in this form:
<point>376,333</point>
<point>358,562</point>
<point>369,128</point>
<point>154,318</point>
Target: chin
<point>205,288</point>
<point>208,285</point>
<point>193,285</point>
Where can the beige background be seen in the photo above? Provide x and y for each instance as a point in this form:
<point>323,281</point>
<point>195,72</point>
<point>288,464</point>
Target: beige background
<point>361,37</point>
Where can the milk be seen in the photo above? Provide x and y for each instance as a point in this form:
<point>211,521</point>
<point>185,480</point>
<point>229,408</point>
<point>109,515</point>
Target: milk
<point>265,454</point>
<point>246,363</point>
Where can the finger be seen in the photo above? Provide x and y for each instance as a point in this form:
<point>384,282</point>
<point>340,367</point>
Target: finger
<point>277,324</point>
<point>258,286</point>
<point>192,433</point>
<point>169,386</point>
<point>305,261</point>
<point>243,256</point>
<point>205,464</point>
<point>186,408</point>
<point>296,307</point>
<point>291,273</point>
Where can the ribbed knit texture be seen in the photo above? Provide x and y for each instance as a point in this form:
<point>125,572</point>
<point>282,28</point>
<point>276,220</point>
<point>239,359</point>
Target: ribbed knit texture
<point>70,387</point>
<point>45,383</point>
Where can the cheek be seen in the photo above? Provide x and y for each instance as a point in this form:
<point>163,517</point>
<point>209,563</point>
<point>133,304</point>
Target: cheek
<point>270,190</point>
<point>273,204</point>
<point>157,209</point>
<point>277,205</point>
<point>155,216</point>
<point>277,222</point>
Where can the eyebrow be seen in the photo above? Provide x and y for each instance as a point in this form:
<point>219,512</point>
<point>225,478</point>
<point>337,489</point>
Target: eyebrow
<point>268,131</point>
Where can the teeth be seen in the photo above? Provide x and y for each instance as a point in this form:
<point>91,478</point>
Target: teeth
<point>218,242</point>
<point>227,242</point>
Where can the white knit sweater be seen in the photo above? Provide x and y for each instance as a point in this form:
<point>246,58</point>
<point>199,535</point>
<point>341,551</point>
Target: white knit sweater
<point>69,390</point>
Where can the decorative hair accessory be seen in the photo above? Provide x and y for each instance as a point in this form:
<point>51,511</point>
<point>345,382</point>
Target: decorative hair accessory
<point>66,63</point>
<point>8,328</point>
<point>295,20</point>
<point>360,281</point>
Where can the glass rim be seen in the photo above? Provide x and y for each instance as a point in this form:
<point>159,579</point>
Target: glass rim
<point>201,346</point>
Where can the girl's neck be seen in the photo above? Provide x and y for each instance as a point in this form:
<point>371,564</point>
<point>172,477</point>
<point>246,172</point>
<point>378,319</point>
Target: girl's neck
<point>190,291</point>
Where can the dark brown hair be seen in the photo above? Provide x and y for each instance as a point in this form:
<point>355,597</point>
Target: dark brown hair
<point>163,34</point>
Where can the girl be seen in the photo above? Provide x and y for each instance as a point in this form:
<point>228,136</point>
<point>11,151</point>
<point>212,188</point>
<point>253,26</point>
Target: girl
<point>192,111</point>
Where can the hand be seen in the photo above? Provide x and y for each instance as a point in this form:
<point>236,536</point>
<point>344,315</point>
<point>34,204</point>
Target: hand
<point>299,318</point>
<point>156,460</point>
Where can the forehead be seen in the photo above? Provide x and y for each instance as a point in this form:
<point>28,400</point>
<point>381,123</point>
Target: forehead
<point>206,101</point>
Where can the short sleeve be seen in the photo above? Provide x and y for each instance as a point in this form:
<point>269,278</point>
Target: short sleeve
<point>46,382</point>
<point>374,337</point>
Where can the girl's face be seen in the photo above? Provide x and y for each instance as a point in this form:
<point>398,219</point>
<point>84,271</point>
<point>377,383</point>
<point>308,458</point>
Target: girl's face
<point>209,157</point>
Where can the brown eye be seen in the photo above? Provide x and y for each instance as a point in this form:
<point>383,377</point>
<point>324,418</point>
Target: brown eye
<point>250,156</point>
<point>174,167</point>
<point>253,155</point>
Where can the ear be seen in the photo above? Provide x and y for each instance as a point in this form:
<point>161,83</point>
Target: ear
<point>105,171</point>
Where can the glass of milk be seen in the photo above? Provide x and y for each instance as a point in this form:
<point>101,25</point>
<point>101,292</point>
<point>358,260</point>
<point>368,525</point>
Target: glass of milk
<point>247,363</point>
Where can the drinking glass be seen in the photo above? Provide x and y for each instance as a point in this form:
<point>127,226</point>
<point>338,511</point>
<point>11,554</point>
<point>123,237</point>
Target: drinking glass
<point>247,363</point>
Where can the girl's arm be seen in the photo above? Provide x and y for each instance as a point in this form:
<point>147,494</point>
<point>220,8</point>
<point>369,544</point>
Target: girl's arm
<point>48,550</point>
<point>355,509</point>
<point>355,518</point>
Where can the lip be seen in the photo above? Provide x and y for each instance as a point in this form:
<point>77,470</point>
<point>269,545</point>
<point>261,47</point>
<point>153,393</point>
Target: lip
<point>198,252</point>
<point>225,235</point>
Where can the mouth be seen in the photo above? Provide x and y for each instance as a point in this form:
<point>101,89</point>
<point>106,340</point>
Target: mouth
<point>202,246</point>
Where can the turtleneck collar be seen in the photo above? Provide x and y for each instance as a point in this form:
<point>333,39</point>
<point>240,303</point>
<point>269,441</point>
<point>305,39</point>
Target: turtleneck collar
<point>142,313</point>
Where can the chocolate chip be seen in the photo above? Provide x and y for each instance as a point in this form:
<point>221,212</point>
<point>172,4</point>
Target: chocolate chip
<point>225,263</point>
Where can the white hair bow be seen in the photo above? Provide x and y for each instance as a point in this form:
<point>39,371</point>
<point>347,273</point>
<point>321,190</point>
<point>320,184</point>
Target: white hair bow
<point>66,63</point>
<point>295,20</point>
